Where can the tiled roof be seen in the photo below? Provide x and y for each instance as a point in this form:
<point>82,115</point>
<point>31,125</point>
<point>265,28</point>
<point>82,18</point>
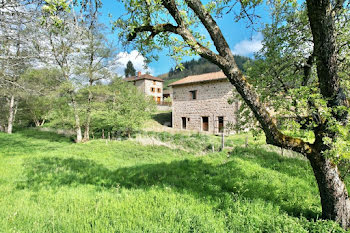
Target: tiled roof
<point>143,76</point>
<point>200,78</point>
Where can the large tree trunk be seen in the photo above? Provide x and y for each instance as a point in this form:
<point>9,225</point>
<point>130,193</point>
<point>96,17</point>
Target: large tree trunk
<point>88,118</point>
<point>334,195</point>
<point>77,120</point>
<point>11,117</point>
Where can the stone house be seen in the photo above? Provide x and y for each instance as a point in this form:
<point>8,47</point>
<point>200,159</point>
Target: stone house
<point>200,103</point>
<point>149,85</point>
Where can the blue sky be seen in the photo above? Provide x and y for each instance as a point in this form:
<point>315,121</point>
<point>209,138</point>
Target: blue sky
<point>242,40</point>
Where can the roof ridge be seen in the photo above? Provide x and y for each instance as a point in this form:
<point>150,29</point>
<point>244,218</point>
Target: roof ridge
<point>141,77</point>
<point>200,78</point>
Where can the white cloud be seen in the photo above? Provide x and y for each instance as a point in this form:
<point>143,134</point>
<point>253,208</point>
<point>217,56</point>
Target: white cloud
<point>248,47</point>
<point>137,60</point>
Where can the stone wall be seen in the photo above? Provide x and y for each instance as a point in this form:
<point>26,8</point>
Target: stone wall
<point>212,102</point>
<point>140,84</point>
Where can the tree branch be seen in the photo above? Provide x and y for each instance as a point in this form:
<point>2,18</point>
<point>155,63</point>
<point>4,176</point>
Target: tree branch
<point>153,29</point>
<point>213,29</point>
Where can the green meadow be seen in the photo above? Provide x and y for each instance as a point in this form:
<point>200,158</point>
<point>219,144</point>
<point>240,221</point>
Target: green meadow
<point>50,184</point>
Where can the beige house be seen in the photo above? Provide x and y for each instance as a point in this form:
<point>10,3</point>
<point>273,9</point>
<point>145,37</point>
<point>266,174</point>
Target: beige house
<point>149,85</point>
<point>200,103</point>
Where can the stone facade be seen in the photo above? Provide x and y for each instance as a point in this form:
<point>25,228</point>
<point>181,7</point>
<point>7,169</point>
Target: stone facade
<point>210,105</point>
<point>154,88</point>
<point>148,85</point>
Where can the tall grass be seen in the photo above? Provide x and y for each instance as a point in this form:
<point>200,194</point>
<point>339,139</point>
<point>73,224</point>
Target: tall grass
<point>49,184</point>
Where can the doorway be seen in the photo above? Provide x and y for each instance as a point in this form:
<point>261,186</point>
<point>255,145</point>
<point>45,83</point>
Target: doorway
<point>221,124</point>
<point>205,123</point>
<point>183,122</point>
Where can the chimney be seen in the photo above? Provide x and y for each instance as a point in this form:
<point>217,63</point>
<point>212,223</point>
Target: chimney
<point>138,73</point>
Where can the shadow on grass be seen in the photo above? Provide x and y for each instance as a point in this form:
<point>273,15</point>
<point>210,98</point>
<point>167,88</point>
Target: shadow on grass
<point>295,167</point>
<point>196,177</point>
<point>44,135</point>
<point>162,118</point>
<point>31,141</point>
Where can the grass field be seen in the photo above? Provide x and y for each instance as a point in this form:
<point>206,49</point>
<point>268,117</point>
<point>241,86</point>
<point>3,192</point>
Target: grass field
<point>49,184</point>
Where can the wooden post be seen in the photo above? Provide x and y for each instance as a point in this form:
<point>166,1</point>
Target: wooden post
<point>282,151</point>
<point>109,136</point>
<point>222,140</point>
<point>103,134</point>
<point>246,141</point>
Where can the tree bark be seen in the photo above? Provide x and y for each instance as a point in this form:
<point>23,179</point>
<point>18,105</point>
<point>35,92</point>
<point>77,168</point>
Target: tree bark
<point>77,120</point>
<point>11,116</point>
<point>88,118</point>
<point>334,195</point>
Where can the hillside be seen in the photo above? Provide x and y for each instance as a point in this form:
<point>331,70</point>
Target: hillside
<point>49,184</point>
<point>195,67</point>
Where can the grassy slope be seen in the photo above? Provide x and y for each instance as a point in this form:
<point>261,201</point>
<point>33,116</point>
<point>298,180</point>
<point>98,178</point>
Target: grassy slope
<point>48,184</point>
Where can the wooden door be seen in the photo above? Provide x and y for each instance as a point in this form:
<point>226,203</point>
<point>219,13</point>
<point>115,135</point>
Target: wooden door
<point>205,123</point>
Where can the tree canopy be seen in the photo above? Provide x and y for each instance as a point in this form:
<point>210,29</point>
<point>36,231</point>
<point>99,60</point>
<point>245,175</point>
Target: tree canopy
<point>129,70</point>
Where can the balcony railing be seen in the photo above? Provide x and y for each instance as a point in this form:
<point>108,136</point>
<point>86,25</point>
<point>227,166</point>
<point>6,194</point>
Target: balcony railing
<point>162,103</point>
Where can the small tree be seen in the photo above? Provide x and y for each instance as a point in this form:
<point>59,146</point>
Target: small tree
<point>129,70</point>
<point>120,107</point>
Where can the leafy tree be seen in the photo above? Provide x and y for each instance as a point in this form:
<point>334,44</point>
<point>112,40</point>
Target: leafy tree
<point>129,70</point>
<point>78,49</point>
<point>119,108</point>
<point>36,106</point>
<point>16,54</point>
<point>94,60</point>
<point>329,125</point>
<point>63,34</point>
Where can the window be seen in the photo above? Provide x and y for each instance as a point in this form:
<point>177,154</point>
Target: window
<point>159,91</point>
<point>221,124</point>
<point>205,123</point>
<point>153,89</point>
<point>154,83</point>
<point>158,99</point>
<point>193,95</point>
<point>183,122</point>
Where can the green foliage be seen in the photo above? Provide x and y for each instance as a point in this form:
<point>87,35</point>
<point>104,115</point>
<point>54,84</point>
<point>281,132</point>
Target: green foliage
<point>129,70</point>
<point>119,108</point>
<point>284,74</point>
<point>35,106</point>
<point>49,184</point>
<point>122,108</point>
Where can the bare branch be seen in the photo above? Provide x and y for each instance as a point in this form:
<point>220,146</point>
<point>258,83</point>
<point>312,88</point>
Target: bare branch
<point>153,29</point>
